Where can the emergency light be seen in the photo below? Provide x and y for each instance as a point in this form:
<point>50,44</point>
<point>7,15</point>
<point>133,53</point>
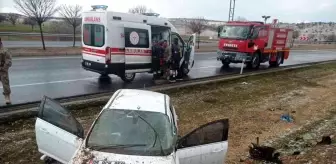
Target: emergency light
<point>95,7</point>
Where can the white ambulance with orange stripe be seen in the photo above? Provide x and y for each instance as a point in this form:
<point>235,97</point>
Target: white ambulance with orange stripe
<point>121,43</point>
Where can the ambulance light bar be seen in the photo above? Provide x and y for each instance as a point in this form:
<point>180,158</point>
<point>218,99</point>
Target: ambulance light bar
<point>95,7</point>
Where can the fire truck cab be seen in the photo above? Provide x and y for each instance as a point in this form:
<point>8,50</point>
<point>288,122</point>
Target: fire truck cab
<point>253,43</point>
<point>121,43</point>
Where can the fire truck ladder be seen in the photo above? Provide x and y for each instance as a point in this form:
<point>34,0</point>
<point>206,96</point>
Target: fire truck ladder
<point>232,9</point>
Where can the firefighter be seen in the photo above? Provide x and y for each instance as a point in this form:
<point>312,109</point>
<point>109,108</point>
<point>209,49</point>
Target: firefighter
<point>6,62</point>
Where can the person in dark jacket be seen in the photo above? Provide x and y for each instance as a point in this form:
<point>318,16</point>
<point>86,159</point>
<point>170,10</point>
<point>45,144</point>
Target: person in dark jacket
<point>175,59</point>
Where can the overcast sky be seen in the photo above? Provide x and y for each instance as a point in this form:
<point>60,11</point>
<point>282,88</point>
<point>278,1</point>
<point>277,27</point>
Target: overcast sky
<point>285,10</point>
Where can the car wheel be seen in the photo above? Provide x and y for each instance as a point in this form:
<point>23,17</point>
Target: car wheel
<point>128,77</point>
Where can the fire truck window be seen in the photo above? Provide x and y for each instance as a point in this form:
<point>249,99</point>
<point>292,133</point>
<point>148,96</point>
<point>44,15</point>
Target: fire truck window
<point>94,35</point>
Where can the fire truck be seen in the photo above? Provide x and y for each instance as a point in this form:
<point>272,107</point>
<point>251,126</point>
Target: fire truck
<point>253,43</point>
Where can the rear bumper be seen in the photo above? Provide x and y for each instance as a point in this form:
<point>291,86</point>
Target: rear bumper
<point>112,68</point>
<point>233,57</point>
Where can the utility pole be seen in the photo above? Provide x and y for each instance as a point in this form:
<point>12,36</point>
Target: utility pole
<point>232,9</point>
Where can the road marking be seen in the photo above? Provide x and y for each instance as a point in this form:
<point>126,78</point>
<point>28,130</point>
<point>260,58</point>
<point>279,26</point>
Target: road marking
<point>52,82</point>
<point>46,58</point>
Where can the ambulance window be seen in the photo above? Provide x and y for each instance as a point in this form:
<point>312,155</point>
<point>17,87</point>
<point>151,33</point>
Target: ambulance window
<point>87,34</point>
<point>136,38</point>
<point>93,35</point>
<point>99,36</point>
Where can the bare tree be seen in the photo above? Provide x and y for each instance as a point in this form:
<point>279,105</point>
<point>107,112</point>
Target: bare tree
<point>197,25</point>
<point>72,16</point>
<point>30,21</point>
<point>2,18</point>
<point>12,18</point>
<point>296,34</point>
<point>140,9</point>
<point>38,10</point>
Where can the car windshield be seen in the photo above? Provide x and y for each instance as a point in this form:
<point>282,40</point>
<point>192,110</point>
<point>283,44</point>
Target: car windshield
<point>132,132</point>
<point>235,32</point>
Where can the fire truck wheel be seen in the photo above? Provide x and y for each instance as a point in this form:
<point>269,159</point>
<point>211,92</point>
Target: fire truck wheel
<point>225,63</point>
<point>128,77</point>
<point>277,62</point>
<point>255,63</point>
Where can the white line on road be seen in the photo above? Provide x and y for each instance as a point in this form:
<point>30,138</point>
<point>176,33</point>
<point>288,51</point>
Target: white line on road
<point>51,82</point>
<point>46,58</point>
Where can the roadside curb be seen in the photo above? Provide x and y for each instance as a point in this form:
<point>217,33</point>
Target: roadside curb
<point>101,98</point>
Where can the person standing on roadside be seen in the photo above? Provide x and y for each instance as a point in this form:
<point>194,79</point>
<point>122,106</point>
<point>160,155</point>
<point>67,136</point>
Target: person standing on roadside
<point>175,58</point>
<point>166,57</point>
<point>5,63</point>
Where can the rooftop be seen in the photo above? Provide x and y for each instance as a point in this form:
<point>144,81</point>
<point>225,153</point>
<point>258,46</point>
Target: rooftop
<point>134,99</point>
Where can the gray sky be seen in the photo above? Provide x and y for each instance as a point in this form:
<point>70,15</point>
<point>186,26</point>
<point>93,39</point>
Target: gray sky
<point>284,10</point>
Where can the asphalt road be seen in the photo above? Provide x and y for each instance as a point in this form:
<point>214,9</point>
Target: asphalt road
<point>12,44</point>
<point>56,77</point>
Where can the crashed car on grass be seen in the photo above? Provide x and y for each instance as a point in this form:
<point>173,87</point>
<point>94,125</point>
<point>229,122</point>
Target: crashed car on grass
<point>135,126</point>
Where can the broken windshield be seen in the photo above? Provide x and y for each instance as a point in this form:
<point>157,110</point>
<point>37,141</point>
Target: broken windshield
<point>133,133</point>
<point>235,32</point>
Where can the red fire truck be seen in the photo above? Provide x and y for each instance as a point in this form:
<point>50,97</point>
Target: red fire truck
<point>253,43</point>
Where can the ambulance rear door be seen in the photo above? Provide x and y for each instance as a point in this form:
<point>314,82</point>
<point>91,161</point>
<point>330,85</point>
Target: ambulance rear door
<point>94,38</point>
<point>138,47</point>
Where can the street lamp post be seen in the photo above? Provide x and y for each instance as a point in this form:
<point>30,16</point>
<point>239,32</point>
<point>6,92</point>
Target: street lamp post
<point>266,17</point>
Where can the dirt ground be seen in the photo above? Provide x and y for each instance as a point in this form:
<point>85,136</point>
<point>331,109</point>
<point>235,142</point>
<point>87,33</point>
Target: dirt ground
<point>253,105</point>
<point>57,51</point>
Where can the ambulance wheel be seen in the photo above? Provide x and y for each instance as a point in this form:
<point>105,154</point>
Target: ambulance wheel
<point>128,77</point>
<point>255,63</point>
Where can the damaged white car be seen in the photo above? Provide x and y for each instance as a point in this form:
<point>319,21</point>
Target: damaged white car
<point>134,127</point>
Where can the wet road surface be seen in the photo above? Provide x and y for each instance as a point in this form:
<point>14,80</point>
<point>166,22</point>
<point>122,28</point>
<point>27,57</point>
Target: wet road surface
<point>12,44</point>
<point>56,77</point>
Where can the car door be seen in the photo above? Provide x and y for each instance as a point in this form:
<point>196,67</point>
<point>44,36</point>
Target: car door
<point>207,144</point>
<point>191,51</point>
<point>138,47</point>
<point>58,133</point>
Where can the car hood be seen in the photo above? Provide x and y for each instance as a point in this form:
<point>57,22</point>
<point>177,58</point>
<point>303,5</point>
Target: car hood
<point>95,157</point>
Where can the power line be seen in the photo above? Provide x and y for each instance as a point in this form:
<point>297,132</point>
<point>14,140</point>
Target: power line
<point>232,9</point>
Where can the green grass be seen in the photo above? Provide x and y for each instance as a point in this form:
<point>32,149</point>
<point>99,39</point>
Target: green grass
<point>6,27</point>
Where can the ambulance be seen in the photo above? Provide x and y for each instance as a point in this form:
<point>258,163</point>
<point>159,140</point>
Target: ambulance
<point>121,43</point>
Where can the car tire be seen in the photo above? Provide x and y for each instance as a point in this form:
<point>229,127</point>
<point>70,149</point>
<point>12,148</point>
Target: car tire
<point>128,77</point>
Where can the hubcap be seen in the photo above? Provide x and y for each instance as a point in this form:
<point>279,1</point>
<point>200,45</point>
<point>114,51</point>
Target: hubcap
<point>279,59</point>
<point>255,61</point>
<point>129,75</point>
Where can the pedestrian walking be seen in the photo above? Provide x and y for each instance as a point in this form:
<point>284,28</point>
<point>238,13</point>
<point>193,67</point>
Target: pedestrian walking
<point>5,64</point>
